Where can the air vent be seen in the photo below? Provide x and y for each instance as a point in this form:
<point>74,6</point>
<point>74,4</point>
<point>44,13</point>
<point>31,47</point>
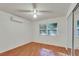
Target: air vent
<point>16,20</point>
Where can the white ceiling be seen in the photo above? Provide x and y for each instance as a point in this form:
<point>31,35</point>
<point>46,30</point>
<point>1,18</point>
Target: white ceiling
<point>57,9</point>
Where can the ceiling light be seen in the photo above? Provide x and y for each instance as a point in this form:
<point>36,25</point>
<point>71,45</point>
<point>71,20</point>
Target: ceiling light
<point>34,11</point>
<point>35,16</point>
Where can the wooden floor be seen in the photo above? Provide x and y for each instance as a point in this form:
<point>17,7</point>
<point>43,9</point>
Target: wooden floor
<point>33,49</point>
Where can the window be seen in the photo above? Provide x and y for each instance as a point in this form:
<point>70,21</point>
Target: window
<point>78,23</point>
<point>78,27</point>
<point>52,29</point>
<point>48,29</point>
<point>43,29</point>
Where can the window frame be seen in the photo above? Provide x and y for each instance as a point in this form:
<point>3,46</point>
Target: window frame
<point>47,29</point>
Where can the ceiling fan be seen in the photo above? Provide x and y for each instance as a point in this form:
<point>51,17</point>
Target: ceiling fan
<point>35,11</point>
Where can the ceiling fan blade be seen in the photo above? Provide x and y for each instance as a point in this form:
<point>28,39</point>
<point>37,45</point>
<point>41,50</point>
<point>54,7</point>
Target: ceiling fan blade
<point>24,10</point>
<point>34,5</point>
<point>45,11</point>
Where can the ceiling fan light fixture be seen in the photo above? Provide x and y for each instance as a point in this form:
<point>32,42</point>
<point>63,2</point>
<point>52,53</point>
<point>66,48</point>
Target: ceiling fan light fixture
<point>34,11</point>
<point>35,16</point>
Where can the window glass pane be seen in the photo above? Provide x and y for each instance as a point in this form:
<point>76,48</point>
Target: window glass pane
<point>52,26</point>
<point>43,32</point>
<point>43,27</point>
<point>78,23</point>
<point>78,27</point>
<point>78,31</point>
<point>52,32</point>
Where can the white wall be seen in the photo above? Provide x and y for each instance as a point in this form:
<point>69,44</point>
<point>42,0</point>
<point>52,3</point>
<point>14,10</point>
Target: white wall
<point>13,34</point>
<point>71,7</point>
<point>59,40</point>
<point>69,31</point>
